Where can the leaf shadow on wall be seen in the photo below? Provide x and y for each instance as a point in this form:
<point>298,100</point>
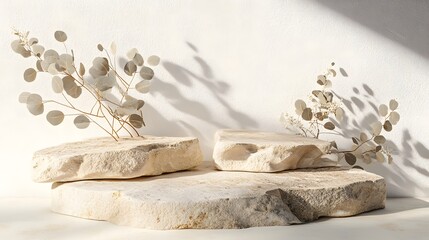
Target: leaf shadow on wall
<point>206,79</point>
<point>363,106</point>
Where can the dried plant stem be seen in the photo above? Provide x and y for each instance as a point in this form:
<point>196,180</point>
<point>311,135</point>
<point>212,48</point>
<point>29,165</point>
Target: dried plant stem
<point>28,48</point>
<point>65,47</point>
<point>303,131</point>
<point>116,139</point>
<point>87,114</point>
<point>73,108</point>
<point>335,131</point>
<point>308,130</point>
<point>127,123</point>
<point>332,133</point>
<point>98,100</point>
<point>108,55</point>
<point>95,104</point>
<point>121,121</point>
<point>128,88</point>
<point>125,83</point>
<point>122,126</point>
<point>108,122</point>
<point>103,106</point>
<point>67,100</point>
<point>107,100</point>
<point>82,83</point>
<point>318,130</point>
<point>353,150</point>
<point>113,126</point>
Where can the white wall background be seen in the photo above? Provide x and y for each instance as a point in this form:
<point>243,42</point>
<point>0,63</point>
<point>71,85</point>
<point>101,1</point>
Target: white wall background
<point>230,64</point>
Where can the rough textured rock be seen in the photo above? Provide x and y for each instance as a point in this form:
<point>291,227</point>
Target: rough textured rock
<point>101,158</point>
<point>207,198</point>
<point>253,151</point>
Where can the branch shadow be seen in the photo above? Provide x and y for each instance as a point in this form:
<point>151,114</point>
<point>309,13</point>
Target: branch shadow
<point>214,87</point>
<point>364,111</point>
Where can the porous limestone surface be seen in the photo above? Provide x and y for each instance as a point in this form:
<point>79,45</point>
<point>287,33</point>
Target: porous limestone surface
<point>206,198</point>
<point>254,151</point>
<point>101,158</point>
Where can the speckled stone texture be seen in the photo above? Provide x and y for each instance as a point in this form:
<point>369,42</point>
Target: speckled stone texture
<point>209,199</point>
<point>253,151</point>
<point>104,158</point>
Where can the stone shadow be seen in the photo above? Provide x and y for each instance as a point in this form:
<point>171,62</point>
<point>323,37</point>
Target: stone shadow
<point>401,205</point>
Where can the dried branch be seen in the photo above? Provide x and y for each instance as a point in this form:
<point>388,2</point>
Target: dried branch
<point>103,76</point>
<point>324,107</point>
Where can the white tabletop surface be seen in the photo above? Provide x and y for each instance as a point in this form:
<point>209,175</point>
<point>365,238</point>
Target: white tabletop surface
<point>30,218</point>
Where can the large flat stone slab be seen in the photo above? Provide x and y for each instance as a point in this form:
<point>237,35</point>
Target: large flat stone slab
<point>239,150</point>
<point>207,198</point>
<point>102,158</point>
